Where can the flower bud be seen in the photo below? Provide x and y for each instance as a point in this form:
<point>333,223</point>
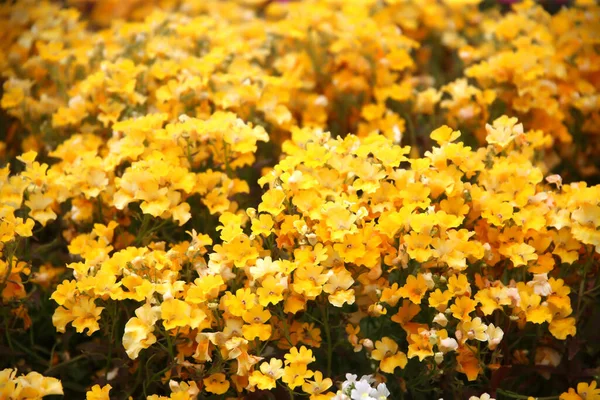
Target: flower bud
<point>440,319</point>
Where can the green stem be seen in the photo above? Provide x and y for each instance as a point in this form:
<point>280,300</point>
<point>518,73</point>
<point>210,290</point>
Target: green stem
<point>8,339</point>
<point>113,321</point>
<point>412,133</point>
<point>52,353</point>
<point>286,331</point>
<point>189,153</point>
<point>582,287</point>
<point>142,232</point>
<point>169,344</point>
<point>410,127</point>
<point>514,395</point>
<point>263,348</point>
<point>313,318</point>
<point>9,250</point>
<point>62,364</point>
<point>27,350</point>
<point>325,313</point>
<point>100,211</point>
<point>138,380</point>
<point>591,290</point>
<point>228,170</point>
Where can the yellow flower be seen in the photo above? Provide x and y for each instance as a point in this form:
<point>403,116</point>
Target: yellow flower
<point>585,391</point>
<point>204,289</point>
<point>302,356</point>
<point>139,330</point>
<point>520,253</point>
<point>31,386</point>
<point>98,393</point>
<point>439,299</point>
<point>444,134</point>
<point>309,280</point>
<point>306,333</point>
<point>458,285</point>
<point>272,202</point>
<point>338,287</point>
<point>296,374</point>
<point>406,312</point>
<point>492,299</point>
<point>351,249</point>
<point>386,351</point>
<point>262,225</point>
<point>216,383</point>
<point>535,311</point>
<point>231,226</point>
<point>317,386</point>
<point>414,289</point>
<point>462,307</point>
<point>28,158</point>
<point>418,246</point>
<point>86,315</point>
<point>269,373</point>
<point>64,292</point>
<point>13,97</point>
<point>426,101</point>
<point>40,207</point>
<point>256,319</point>
<point>175,313</point>
<point>241,250</point>
<point>497,212</point>
<point>473,329</point>
<point>560,328</point>
<point>271,291</point>
<point>503,131</point>
<point>237,304</point>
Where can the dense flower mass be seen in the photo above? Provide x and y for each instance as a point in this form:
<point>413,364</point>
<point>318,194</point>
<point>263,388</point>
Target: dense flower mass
<point>269,199</point>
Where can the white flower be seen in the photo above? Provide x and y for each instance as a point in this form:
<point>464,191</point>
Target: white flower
<point>484,396</point>
<point>382,392</point>
<point>321,101</point>
<point>295,177</point>
<point>448,344</point>
<point>350,380</point>
<point>362,391</point>
<point>540,284</point>
<point>495,336</point>
<point>340,396</point>
<point>547,356</point>
<point>353,389</point>
<point>429,280</point>
<point>440,319</point>
<point>397,134</point>
<point>513,294</point>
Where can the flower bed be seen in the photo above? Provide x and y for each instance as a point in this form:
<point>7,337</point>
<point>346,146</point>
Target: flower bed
<point>315,199</point>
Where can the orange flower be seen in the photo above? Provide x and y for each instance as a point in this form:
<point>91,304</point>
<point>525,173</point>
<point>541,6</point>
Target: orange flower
<point>462,307</point>
<point>386,351</point>
<point>216,383</point>
<point>468,363</point>
<point>414,289</point>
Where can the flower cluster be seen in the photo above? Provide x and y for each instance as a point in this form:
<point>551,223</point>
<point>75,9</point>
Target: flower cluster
<point>361,389</point>
<point>251,198</point>
<point>30,386</point>
<point>584,391</point>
